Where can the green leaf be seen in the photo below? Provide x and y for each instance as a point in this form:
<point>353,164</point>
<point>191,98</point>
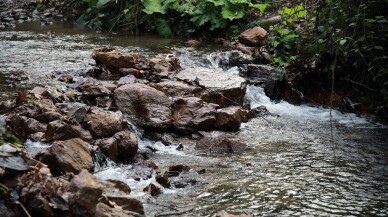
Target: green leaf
<point>102,3</point>
<point>232,11</point>
<point>153,6</point>
<point>343,41</point>
<point>163,28</point>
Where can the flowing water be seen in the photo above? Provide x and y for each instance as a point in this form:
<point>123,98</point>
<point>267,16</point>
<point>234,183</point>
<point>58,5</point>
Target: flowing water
<point>297,161</point>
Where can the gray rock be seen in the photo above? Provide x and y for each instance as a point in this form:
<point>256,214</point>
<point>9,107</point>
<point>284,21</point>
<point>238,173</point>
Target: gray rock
<point>122,147</point>
<point>218,87</point>
<point>192,114</point>
<point>102,123</point>
<point>144,105</point>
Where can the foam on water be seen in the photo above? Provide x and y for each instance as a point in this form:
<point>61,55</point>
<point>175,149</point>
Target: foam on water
<point>33,148</point>
<point>256,97</point>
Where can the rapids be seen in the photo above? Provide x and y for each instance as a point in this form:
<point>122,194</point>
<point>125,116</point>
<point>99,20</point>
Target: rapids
<point>298,161</point>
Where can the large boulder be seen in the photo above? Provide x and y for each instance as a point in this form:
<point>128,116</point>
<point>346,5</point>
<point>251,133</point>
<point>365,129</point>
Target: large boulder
<point>146,106</point>
<point>177,88</point>
<point>230,118</point>
<point>102,123</point>
<point>218,87</point>
<point>267,77</point>
<point>85,191</point>
<point>70,156</point>
<point>122,147</point>
<point>61,130</point>
<point>254,37</point>
<point>192,114</point>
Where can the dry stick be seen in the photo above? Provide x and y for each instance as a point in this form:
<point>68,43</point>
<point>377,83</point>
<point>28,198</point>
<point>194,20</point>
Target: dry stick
<point>20,203</point>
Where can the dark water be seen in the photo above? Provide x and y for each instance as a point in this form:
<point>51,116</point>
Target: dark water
<point>294,165</point>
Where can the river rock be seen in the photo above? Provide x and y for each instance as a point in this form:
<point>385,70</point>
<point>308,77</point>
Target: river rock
<point>75,110</point>
<point>91,88</point>
<point>146,106</point>
<point>153,190</point>
<point>218,87</point>
<point>122,147</point>
<point>85,191</point>
<point>128,203</point>
<point>24,126</point>
<point>102,123</point>
<point>254,37</point>
<point>61,130</point>
<point>40,92</point>
<point>265,76</point>
<point>70,156</point>
<point>115,59</point>
<point>42,192</point>
<point>221,144</point>
<point>176,88</point>
<point>230,118</point>
<point>162,179</point>
<point>103,210</point>
<point>192,114</point>
<point>129,79</point>
<point>48,116</point>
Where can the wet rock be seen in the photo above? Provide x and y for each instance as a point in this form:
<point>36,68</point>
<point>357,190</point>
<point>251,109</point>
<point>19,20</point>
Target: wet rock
<point>165,65</point>
<point>192,114</point>
<point>162,179</point>
<point>260,111</point>
<point>153,190</point>
<point>129,79</point>
<point>103,210</point>
<point>70,156</point>
<point>230,118</point>
<point>221,144</point>
<point>117,184</point>
<point>10,158</point>
<point>122,147</point>
<point>40,92</point>
<point>102,123</point>
<point>254,37</point>
<point>192,43</point>
<point>128,203</point>
<point>24,126</point>
<point>91,88</point>
<point>225,214</point>
<point>48,116</point>
<point>105,102</point>
<point>175,170</point>
<point>227,89</point>
<point>265,76</point>
<point>146,106</point>
<point>85,191</point>
<point>116,59</point>
<point>61,130</point>
<point>75,110</point>
<point>177,88</point>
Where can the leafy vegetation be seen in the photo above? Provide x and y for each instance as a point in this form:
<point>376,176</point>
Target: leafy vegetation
<point>312,39</point>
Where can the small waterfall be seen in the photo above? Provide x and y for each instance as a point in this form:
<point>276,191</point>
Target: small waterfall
<point>255,96</point>
<point>33,148</point>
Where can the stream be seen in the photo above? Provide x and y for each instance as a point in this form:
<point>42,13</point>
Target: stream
<point>298,162</point>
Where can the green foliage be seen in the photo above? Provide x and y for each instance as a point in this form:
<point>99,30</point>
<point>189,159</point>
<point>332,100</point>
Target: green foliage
<point>283,36</point>
<point>163,15</point>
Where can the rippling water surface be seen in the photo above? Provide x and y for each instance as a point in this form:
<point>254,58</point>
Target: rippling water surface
<point>297,163</point>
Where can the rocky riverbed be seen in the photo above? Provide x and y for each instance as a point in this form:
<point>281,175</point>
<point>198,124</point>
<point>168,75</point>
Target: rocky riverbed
<point>181,132</point>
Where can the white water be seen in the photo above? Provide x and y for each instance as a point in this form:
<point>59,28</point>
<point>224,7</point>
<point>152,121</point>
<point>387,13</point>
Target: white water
<point>256,97</point>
